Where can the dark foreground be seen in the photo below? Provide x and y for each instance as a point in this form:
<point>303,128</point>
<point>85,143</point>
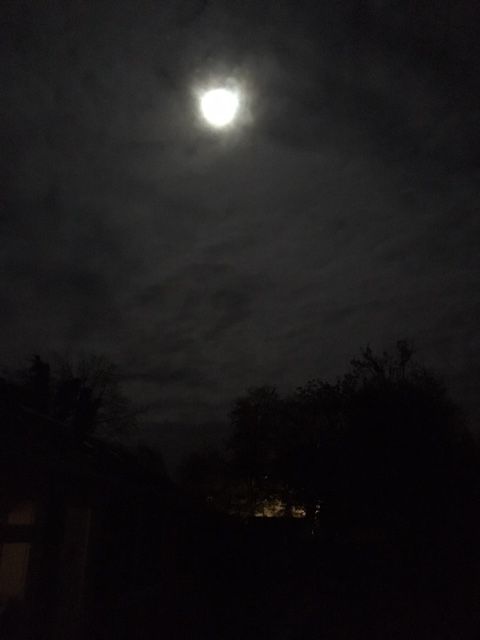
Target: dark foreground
<point>268,580</point>
<point>219,579</point>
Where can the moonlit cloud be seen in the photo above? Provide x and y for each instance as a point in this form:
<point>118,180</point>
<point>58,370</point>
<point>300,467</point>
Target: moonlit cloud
<point>345,213</point>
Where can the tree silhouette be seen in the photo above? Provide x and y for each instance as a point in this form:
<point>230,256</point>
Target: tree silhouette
<point>89,398</point>
<point>402,434</point>
<point>84,396</point>
<point>383,446</point>
<point>256,422</point>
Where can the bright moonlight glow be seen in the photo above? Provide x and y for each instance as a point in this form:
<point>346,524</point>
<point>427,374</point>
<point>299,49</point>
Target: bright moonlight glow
<point>219,106</point>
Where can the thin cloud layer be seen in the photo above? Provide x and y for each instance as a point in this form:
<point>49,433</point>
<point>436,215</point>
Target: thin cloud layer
<point>341,212</point>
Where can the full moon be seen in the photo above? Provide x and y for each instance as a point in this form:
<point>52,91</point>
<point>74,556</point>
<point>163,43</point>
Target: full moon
<point>219,106</point>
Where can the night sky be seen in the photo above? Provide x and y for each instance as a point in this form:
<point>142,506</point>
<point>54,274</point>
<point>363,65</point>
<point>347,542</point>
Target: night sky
<point>340,209</point>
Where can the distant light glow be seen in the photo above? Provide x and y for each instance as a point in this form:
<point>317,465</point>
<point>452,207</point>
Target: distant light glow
<point>219,106</point>
<point>276,508</point>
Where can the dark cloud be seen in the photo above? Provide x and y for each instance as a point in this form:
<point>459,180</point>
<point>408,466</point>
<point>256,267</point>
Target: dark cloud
<point>164,377</point>
<point>342,210</point>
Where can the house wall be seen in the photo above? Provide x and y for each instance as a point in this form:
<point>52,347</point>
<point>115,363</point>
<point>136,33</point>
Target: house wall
<point>15,549</point>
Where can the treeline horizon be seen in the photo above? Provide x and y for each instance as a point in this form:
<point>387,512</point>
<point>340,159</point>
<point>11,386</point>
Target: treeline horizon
<point>300,447</point>
<point>382,444</point>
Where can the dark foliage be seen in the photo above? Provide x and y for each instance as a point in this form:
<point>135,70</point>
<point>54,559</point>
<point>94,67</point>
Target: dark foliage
<point>84,396</point>
<point>382,446</point>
